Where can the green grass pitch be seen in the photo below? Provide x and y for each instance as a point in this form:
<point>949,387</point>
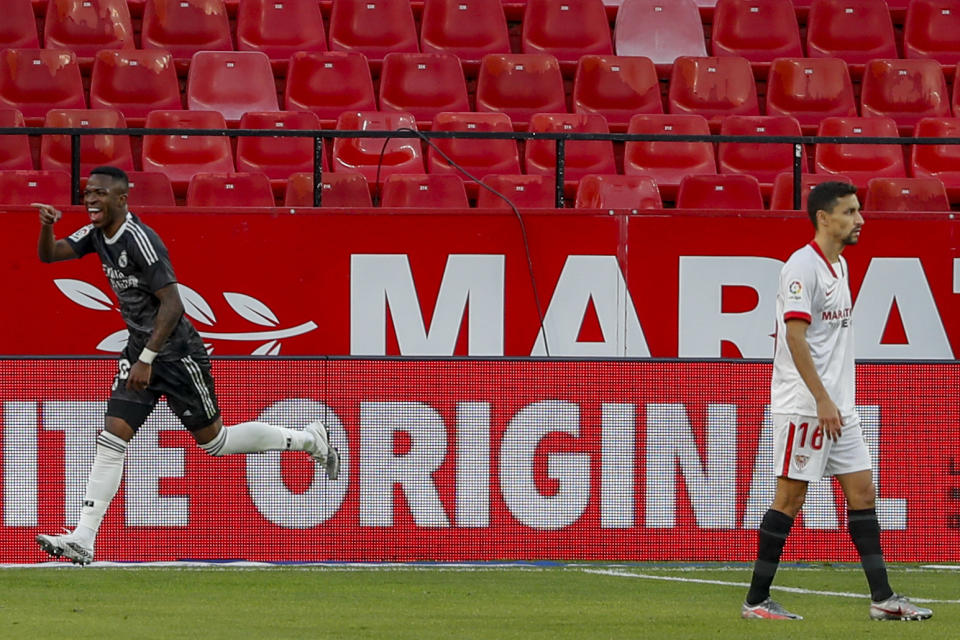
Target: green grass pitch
<point>579,600</point>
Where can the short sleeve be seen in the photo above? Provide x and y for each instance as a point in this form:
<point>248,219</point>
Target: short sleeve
<point>158,272</point>
<point>796,289</point>
<point>81,241</point>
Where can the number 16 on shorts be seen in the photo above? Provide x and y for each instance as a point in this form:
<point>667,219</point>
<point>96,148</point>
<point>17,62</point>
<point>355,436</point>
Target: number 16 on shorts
<point>800,447</point>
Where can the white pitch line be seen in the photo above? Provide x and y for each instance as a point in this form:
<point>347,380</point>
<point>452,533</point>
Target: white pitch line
<point>726,583</point>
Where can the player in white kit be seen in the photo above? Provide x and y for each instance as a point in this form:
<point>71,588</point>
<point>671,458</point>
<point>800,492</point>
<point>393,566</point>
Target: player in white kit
<point>816,429</point>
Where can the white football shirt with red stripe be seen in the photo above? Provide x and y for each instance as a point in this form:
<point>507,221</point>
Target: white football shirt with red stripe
<point>814,290</point>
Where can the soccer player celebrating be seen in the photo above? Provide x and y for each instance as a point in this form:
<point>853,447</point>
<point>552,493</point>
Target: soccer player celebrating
<point>816,429</point>
<point>164,356</point>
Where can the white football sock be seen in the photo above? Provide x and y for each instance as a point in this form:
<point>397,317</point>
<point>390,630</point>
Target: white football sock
<point>256,437</point>
<point>102,485</point>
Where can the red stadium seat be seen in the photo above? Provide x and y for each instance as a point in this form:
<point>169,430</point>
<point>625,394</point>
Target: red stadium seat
<point>520,85</point>
<point>229,190</point>
<point>906,194</point>
<point>231,82</point>
<point>582,157</point>
<point>566,29</point>
<point>337,190</point>
<point>329,84</point>
<point>667,162</point>
<point>525,192</point>
<point>728,191</point>
<point>810,89</point>
<point>938,160</point>
<point>854,30</point>
<point>931,31</point>
<point>905,90</point>
<point>184,27</point>
<point>18,29</point>
<point>660,30</point>
<point>277,157</point>
<point>478,157</point>
<point>423,84</point>
<point>781,199</point>
<point>713,87</point>
<point>373,27</point>
<point>180,157</point>
<point>15,151</point>
<point>134,82</point>
<point>25,187</point>
<point>618,192</point>
<point>150,189</point>
<point>616,87</point>
<point>859,162</point>
<point>424,191</point>
<point>469,29</point>
<point>95,150</point>
<point>87,26</point>
<point>369,156</point>
<point>280,28</point>
<point>37,80</point>
<point>758,30</point>
<point>762,161</point>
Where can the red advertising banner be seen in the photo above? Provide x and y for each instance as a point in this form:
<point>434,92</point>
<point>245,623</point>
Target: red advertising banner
<point>476,459</point>
<point>426,284</point>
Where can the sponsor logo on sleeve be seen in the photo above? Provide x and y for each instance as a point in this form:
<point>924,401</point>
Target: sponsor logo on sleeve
<point>795,289</point>
<point>77,235</point>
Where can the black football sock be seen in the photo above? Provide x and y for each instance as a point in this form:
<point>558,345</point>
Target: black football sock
<point>774,529</point>
<point>865,533</point>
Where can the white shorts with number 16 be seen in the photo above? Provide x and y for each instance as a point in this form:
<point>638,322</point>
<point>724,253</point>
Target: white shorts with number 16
<point>802,451</point>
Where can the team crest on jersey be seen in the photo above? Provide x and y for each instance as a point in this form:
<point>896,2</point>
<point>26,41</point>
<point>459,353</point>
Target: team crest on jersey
<point>122,260</point>
<point>81,232</point>
<point>800,461</point>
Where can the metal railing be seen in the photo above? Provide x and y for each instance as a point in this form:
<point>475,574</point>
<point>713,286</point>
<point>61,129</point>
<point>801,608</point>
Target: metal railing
<point>561,139</point>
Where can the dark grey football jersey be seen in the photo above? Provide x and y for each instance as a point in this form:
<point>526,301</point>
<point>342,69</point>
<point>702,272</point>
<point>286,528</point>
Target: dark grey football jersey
<point>136,263</point>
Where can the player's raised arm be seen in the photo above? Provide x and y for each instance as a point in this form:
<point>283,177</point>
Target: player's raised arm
<point>48,247</point>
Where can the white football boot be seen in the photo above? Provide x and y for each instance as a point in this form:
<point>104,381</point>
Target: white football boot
<point>66,546</point>
<point>326,454</point>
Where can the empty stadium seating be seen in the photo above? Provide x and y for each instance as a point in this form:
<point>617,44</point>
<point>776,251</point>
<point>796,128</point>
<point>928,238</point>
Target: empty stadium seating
<point>713,87</point>
<point>938,160</point>
<point>95,150</point>
<point>37,80</point>
<point>377,158</point>
<point>184,27</point>
<point>859,162</point>
<point>25,187</point>
<point>423,84</point>
<point>18,29</point>
<point>618,192</point>
<point>762,161</point>
<point>328,84</point>
<point>931,31</point>
<point>525,192</point>
<point>150,189</point>
<point>810,89</point>
<point>782,196</point>
<point>616,87</point>
<point>728,191</point>
<point>87,26</point>
<point>231,82</point>
<point>277,157</point>
<point>854,30</point>
<point>566,29</point>
<point>180,156</point>
<point>662,30</point>
<point>337,190</point>
<point>424,191</point>
<point>280,28</point>
<point>905,90</point>
<point>229,190</point>
<point>906,194</point>
<point>469,29</point>
<point>478,157</point>
<point>520,85</point>
<point>373,28</point>
<point>667,161</point>
<point>15,151</point>
<point>134,82</point>
<point>758,30</point>
<point>581,157</point>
